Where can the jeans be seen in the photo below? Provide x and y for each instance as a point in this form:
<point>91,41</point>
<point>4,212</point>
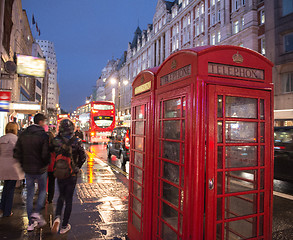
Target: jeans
<point>30,184</point>
<point>7,197</point>
<point>66,191</point>
<point>51,186</point>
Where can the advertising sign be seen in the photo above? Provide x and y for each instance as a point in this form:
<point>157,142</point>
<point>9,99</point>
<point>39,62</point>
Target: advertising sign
<point>5,98</point>
<point>31,66</point>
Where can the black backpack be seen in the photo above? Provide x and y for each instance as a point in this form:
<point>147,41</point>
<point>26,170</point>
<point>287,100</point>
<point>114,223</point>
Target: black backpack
<point>64,163</point>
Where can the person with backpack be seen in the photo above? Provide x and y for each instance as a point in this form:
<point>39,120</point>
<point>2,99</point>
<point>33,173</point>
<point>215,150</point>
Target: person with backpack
<point>32,151</point>
<point>51,178</point>
<point>69,158</point>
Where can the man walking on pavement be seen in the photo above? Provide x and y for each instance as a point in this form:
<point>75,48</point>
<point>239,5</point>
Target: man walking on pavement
<point>32,151</point>
<point>69,151</point>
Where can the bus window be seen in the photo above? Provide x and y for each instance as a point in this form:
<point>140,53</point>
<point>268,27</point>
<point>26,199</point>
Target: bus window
<point>103,121</point>
<point>103,107</point>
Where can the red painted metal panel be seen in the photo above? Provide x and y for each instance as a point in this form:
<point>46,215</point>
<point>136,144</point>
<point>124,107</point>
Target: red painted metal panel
<point>195,78</point>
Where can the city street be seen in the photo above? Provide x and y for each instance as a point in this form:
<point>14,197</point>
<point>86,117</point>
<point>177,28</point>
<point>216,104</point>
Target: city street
<point>100,205</point>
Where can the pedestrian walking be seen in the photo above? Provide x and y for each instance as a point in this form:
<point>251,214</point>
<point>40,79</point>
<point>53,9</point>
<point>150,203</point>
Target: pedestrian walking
<point>79,133</point>
<point>32,151</point>
<point>70,157</point>
<point>51,178</point>
<point>10,170</point>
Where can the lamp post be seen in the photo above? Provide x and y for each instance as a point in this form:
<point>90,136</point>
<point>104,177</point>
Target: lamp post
<point>114,81</point>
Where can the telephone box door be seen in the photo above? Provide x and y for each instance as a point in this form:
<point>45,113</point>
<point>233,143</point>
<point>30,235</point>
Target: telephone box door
<point>238,183</point>
<point>138,163</point>
<point>171,164</point>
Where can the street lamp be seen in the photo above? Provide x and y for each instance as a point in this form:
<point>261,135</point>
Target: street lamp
<point>113,81</point>
<point>125,82</point>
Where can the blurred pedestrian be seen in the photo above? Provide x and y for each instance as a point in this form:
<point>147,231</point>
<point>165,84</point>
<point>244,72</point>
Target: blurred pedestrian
<point>51,178</point>
<point>32,151</point>
<point>79,133</point>
<point>10,170</point>
<point>69,150</point>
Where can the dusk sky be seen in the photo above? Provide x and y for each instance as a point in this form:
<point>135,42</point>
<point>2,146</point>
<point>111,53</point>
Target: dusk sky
<point>86,35</point>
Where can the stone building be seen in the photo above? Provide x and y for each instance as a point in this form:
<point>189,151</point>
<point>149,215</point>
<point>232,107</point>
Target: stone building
<point>279,49</point>
<point>53,88</point>
<point>16,38</point>
<point>184,24</point>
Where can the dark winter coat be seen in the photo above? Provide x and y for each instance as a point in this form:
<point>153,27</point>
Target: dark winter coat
<point>79,134</point>
<point>32,150</point>
<point>78,152</point>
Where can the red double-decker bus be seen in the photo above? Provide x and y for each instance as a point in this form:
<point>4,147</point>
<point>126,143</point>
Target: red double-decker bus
<point>96,120</point>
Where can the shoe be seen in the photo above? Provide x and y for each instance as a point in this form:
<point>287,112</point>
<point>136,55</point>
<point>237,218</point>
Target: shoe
<point>11,213</point>
<point>31,227</point>
<point>65,229</point>
<point>56,225</point>
<point>39,218</point>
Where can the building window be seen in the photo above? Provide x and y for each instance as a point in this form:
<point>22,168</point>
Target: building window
<point>236,27</point>
<point>213,2</point>
<point>262,17</point>
<point>38,97</point>
<point>213,39</point>
<point>202,8</point>
<point>287,7</point>
<point>236,4</point>
<point>197,12</point>
<point>197,30</point>
<point>263,46</point>
<point>219,15</point>
<point>288,42</point>
<point>39,84</point>
<point>213,19</point>
<point>202,27</point>
<point>219,37</point>
<point>242,22</point>
<point>243,2</point>
<point>287,80</point>
<point>189,20</point>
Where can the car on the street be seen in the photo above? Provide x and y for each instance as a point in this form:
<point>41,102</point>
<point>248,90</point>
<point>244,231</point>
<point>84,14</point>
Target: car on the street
<point>119,144</point>
<point>283,160</point>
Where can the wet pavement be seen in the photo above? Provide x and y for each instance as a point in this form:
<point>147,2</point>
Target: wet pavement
<point>100,205</point>
<point>99,208</point>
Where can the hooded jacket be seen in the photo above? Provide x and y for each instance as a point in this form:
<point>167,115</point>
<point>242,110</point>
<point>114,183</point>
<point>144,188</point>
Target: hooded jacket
<point>66,135</point>
<point>10,168</point>
<point>32,150</point>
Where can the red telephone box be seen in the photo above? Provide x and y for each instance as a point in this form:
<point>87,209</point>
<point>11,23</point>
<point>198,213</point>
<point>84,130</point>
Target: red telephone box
<point>141,157</point>
<point>212,146</point>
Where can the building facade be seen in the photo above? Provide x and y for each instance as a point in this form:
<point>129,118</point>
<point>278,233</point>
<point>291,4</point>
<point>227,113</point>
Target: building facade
<point>279,38</point>
<point>185,24</point>
<point>16,38</point>
<point>53,88</point>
